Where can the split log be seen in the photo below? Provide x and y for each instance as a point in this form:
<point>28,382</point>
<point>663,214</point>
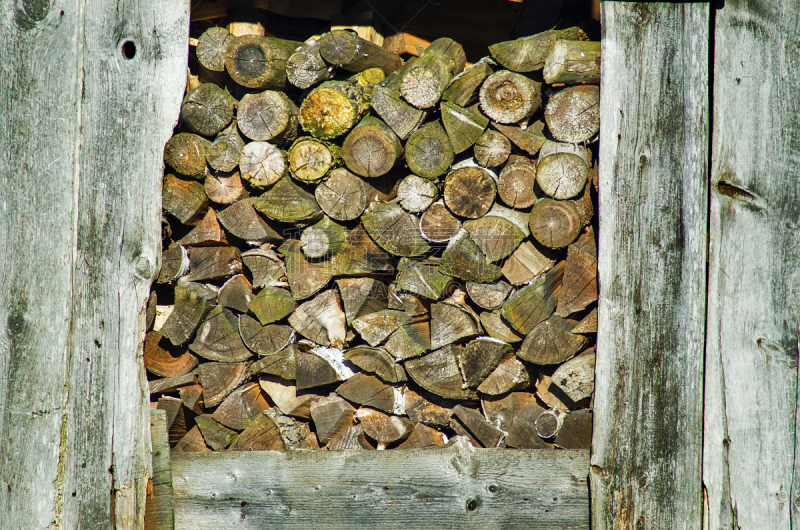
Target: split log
<point>420,410</point>
<point>171,384</point>
<point>172,408</point>
<point>550,148</point>
<point>218,338</point>
<point>261,435</point>
<point>220,379</point>
<point>354,54</point>
<point>530,139</point>
<point>551,342</point>
<point>322,239</point>
<point>583,202</point>
<point>262,164</point>
<point>522,434</point>
<point>206,110</point>
<point>369,391</point>
<point>376,361</point>
<point>241,407</point>
<point>484,432</point>
<point>361,296</point>
<point>214,263</point>
<point>575,431</point>
<point>588,324</point>
<point>416,194</point>
<point>530,53</point>
<point>306,68</point>
<point>555,224</point>
<point>371,149</point>
<point>321,320</point>
<point>576,377</point>
<point>562,175</point>
<point>305,278</point>
<point>573,114</point>
<point>464,260</point>
<point>390,106</point>
<point>395,230</point>
<point>331,414</point>
<point>332,109</point>
<point>319,367</point>
<point>580,276</point>
<point>525,264</point>
<point>451,323</point>
<point>422,278</point>
<point>211,48</point>
<point>268,115</point>
<point>510,374</point>
<point>516,183</point>
<point>192,302</point>
<point>489,295</point>
<point>376,327</point>
<point>496,237</point>
<point>535,302</point>
<point>499,328</point>
<point>281,364</point>
<point>422,437</point>
<point>469,192</point>
<point>295,434</point>
<point>543,386</point>
<point>288,203</point>
<point>236,293</point>
<point>573,61</point>
<point>186,153</point>
<point>438,372</point>
<point>185,199</point>
<point>226,151</point>
<point>383,428</point>
<point>437,224</point>
<point>464,126</point>
<point>241,220</point>
<point>343,196</point>
<point>259,62</point>
<point>464,88</point>
<point>205,232</point>
<point>284,395</point>
<point>264,339</point>
<point>265,266</point>
<point>500,410</point>
<point>492,149</point>
<point>480,357</point>
<point>349,438</point>
<point>426,80</point>
<point>507,97</point>
<point>192,442</point>
<point>428,151</point>
<point>549,422</point>
<point>311,159</point>
<point>359,255</point>
<point>160,361</point>
<point>410,340</point>
<point>225,188</point>
<point>192,397</point>
<point>174,264</point>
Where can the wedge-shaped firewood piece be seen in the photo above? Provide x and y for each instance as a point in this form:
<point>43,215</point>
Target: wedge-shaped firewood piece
<point>306,67</point>
<point>508,97</point>
<point>525,264</point>
<point>261,435</point>
<point>241,406</point>
<point>492,149</point>
<point>531,139</point>
<point>437,224</point>
<point>171,406</point>
<point>451,323</point>
<point>241,220</point>
<point>170,384</point>
<point>268,115</point>
<point>530,53</point>
<point>383,428</point>
<point>395,230</point>
<point>413,305</point>
<point>214,263</point>
<point>360,255</point>
<point>174,264</point>
<point>580,276</point>
<point>543,387</point>
<point>368,390</point>
<point>343,196</point>
<point>186,153</point>
<point>416,193</point>
<point>333,108</point>
<point>421,410</point>
<point>319,367</point>
<point>573,61</point>
<point>562,175</point>
<point>463,259</point>
<point>349,438</point>
<point>331,414</point>
<point>376,327</point>
<point>191,397</point>
<point>372,148</point>
<point>469,191</point>
<point>551,342</point>
<point>272,304</point>
<point>262,164</point>
<point>296,434</point>
<point>463,125</point>
<point>224,155</point>
<point>423,278</point>
<point>392,108</point>
<point>496,237</point>
<point>573,114</point>
<point>588,324</point>
<point>376,361</point>
<point>305,277</point>
<point>218,337</point>
<point>480,357</point>
<point>354,54</point>
<point>211,48</point>
<point>264,340</point>
<point>487,434</point>
<point>410,340</point>
<point>288,203</point>
<point>236,293</point>
<point>510,374</point>
<point>522,434</point>
<point>322,239</point>
<point>500,410</point>
<point>284,394</point>
<point>426,79</point>
<point>438,372</point>
<point>576,377</point>
<point>464,88</point>
<point>193,301</point>
<point>422,437</point>
<point>575,431</point>
<point>220,379</point>
<point>496,326</point>
<point>159,361</point>
<point>185,199</point>
<point>265,266</point>
<point>555,224</point>
<point>516,183</point>
<point>535,302</point>
<point>281,363</point>
<point>321,319</point>
<point>361,296</point>
<point>216,436</point>
<point>206,232</point>
<point>206,110</point>
<point>192,442</point>
<point>489,295</point>
<point>254,61</point>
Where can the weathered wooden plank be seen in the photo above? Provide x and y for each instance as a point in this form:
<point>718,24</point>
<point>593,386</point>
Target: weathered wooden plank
<point>159,513</point>
<point>455,487</point>
<point>646,459</point>
<point>751,468</point>
<point>83,128</point>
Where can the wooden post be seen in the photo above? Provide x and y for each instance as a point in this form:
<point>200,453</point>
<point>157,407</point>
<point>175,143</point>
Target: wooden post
<point>83,223</point>
<point>646,451</point>
<point>751,468</point>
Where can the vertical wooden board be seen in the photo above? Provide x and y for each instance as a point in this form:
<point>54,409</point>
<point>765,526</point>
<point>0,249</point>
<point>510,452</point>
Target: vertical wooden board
<point>454,487</point>
<point>751,468</point>
<point>646,451</point>
<point>159,514</point>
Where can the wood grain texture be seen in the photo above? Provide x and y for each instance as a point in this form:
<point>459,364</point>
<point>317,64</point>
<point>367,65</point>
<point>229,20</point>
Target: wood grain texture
<point>159,513</point>
<point>646,458</point>
<point>751,468</point>
<point>83,222</point>
<point>455,487</point>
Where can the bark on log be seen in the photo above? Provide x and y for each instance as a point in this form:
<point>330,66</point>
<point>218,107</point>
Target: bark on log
<point>332,109</point>
<point>371,149</point>
<point>268,115</point>
<point>305,67</point>
<point>206,110</point>
<point>426,80</point>
<point>492,149</point>
<point>259,62</point>
<point>429,152</point>
<point>311,159</point>
<point>354,54</point>
<point>573,61</point>
<point>530,53</point>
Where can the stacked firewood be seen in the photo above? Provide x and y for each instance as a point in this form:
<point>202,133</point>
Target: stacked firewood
<point>367,252</point>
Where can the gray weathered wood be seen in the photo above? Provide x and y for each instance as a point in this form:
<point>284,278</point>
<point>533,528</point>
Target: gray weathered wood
<point>159,514</point>
<point>751,468</point>
<point>455,487</point>
<point>646,458</point>
<point>84,225</point>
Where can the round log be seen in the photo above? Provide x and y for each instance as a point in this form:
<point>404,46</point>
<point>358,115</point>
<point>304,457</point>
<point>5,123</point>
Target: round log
<point>332,109</point>
<point>372,148</point>
<point>426,80</point>
<point>343,196</point>
<point>573,61</point>
<point>211,48</point>
<point>573,114</point>
<point>416,193</point>
<point>516,182</point>
<point>492,149</point>
<point>469,192</point>
<point>259,62</point>
<point>428,151</point>
<point>305,68</point>
<point>562,175</point>
<point>437,224</point>
<point>311,159</point>
<point>206,110</point>
<point>268,115</point>
<point>262,164</point>
<point>555,224</point>
<point>186,153</point>
<point>507,97</point>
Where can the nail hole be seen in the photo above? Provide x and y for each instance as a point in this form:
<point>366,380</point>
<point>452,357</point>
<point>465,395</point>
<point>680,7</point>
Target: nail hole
<point>472,505</point>
<point>493,488</point>
<point>128,49</point>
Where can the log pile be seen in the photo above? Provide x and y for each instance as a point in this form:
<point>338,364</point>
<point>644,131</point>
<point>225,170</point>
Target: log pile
<point>367,252</point>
